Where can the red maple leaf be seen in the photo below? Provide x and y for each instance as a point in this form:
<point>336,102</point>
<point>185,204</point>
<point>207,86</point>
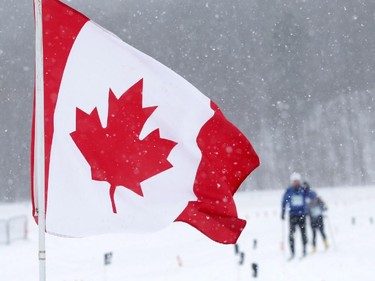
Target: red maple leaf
<point>116,154</point>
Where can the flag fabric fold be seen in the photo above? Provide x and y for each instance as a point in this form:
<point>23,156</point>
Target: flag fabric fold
<point>130,146</point>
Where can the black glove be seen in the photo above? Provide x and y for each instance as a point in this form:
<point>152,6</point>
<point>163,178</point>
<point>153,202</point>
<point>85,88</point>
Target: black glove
<point>283,216</point>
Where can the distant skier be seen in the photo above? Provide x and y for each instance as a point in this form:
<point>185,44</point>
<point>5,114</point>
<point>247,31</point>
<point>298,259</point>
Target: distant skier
<point>311,194</point>
<point>316,208</point>
<point>295,196</point>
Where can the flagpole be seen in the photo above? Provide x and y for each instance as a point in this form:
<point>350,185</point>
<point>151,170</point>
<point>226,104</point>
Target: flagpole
<point>39,170</point>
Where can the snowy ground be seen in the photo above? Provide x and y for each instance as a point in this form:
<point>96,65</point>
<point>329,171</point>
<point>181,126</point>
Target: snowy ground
<point>157,256</point>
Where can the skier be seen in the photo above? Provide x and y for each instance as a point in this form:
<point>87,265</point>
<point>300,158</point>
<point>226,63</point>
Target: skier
<point>295,196</point>
<point>310,193</point>
<point>316,208</point>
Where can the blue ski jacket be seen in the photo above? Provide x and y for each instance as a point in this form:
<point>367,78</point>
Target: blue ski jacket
<point>296,199</point>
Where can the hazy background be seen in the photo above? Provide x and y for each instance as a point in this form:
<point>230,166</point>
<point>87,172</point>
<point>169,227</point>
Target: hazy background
<point>297,77</point>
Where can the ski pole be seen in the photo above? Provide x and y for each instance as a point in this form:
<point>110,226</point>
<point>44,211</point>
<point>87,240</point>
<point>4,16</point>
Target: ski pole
<point>331,232</point>
<point>282,242</point>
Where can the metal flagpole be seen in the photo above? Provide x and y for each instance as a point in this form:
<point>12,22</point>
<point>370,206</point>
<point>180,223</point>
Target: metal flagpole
<point>39,178</point>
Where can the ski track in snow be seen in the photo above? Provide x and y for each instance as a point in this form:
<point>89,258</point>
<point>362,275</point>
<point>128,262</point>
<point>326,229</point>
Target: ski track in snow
<point>154,256</point>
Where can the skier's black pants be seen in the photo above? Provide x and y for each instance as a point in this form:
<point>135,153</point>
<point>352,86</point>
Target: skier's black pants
<point>301,222</point>
<point>317,224</point>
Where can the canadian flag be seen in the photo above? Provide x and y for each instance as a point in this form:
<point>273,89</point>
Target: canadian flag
<point>130,146</point>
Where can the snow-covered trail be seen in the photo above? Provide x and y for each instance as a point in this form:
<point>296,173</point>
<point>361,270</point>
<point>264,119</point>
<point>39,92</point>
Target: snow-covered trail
<point>156,256</point>
<point>352,255</point>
